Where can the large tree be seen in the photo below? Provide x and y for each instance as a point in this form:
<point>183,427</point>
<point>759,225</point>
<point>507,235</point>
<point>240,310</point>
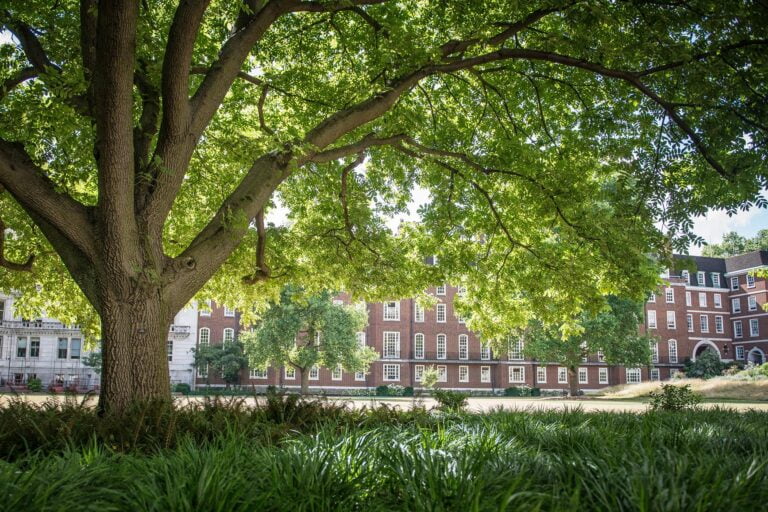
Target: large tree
<point>733,244</point>
<point>142,143</point>
<point>612,332</point>
<point>303,331</point>
<point>228,360</point>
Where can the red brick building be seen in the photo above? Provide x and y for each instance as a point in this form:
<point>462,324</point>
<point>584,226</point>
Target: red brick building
<point>717,306</point>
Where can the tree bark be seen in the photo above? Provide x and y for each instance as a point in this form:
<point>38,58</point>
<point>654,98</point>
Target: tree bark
<point>135,362</point>
<point>305,380</point>
<point>573,381</point>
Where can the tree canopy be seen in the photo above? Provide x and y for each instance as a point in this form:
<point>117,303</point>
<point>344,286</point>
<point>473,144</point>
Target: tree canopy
<point>302,331</point>
<point>612,332</point>
<point>143,144</point>
<point>734,244</point>
<point>227,361</point>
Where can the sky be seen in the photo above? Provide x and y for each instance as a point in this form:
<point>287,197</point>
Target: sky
<point>712,226</point>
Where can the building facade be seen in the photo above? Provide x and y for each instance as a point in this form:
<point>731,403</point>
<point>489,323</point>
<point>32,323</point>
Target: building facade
<point>717,306</point>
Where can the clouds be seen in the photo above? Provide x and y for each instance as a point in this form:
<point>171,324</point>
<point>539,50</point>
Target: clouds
<point>716,223</point>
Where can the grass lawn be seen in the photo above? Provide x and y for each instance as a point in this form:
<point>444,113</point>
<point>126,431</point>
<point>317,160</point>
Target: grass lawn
<point>294,455</point>
<point>718,388</point>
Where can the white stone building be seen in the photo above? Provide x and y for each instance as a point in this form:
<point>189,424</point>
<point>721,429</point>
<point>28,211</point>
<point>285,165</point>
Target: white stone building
<point>46,349</point>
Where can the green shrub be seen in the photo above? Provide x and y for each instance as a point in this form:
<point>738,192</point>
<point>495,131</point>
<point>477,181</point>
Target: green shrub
<point>382,390</point>
<point>408,391</point>
<point>706,366</point>
<point>674,398</point>
<point>182,387</point>
<point>34,385</point>
<point>453,401</point>
<point>513,391</point>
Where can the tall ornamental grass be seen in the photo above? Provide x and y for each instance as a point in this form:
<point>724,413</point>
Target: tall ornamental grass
<point>382,460</point>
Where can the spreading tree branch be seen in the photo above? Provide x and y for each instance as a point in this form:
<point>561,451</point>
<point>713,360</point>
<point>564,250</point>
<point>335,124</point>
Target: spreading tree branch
<point>10,265</point>
<point>262,271</point>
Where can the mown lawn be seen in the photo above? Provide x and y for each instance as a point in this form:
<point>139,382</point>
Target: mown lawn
<point>308,456</point>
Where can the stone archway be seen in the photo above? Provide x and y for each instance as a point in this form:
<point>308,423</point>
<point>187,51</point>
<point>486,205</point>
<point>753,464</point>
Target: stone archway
<point>756,356</point>
<point>704,345</point>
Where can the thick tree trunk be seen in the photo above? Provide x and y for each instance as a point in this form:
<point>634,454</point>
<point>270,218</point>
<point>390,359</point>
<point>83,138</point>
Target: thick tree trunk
<point>135,362</point>
<point>573,381</point>
<point>305,381</point>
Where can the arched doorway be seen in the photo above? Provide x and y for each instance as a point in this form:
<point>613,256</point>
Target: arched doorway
<point>756,356</point>
<point>702,347</point>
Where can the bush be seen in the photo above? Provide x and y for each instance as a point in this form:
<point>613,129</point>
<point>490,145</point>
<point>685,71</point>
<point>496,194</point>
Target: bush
<point>408,391</point>
<point>522,391</point>
<point>382,390</point>
<point>453,401</point>
<point>182,387</point>
<point>706,366</point>
<point>674,398</point>
<point>34,385</point>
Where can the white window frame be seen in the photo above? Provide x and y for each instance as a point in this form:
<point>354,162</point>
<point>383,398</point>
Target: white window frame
<point>361,339</point>
<point>688,299</point>
<point>687,276</point>
<point>516,347</point>
<point>463,373</point>
<point>752,303</point>
<point>442,373</point>
<point>258,373</point>
<point>391,311</point>
<point>390,345</point>
<point>562,375</point>
<point>715,279</point>
<point>583,375</point>
<point>669,294</point>
<point>204,340</point>
<point>652,298</point>
<point>206,312</point>
<point>754,327</point>
<point>738,329</point>
<point>418,345</point>
<point>229,312</point>
<point>225,332</point>
<point>360,376</point>
<point>735,283</point>
<point>391,369</point>
<point>651,319</point>
<point>654,352</point>
<point>602,376</point>
<point>418,313</point>
<point>440,289</point>
<point>689,322</point>
<point>736,305</point>
<point>314,373</point>
<point>516,374</point>
<point>290,373</point>
<point>750,281</point>
<point>441,313</point>
<point>169,350</point>
<point>337,373</point>
<point>541,374</point>
<point>740,352</point>
<point>463,346</point>
<point>600,356</point>
<point>202,372</point>
<point>418,372</point>
<point>485,374</point>
<point>633,376</point>
<point>704,323</point>
<point>655,374</point>
<point>701,278</point>
<point>718,300</point>
<point>672,351</point>
<point>441,344</point>
<point>719,325</point>
<point>485,353</point>
<point>671,320</point>
<point>703,299</point>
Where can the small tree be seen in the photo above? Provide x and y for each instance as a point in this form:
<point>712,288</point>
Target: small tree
<point>612,332</point>
<point>706,366</point>
<point>303,331</point>
<point>93,360</point>
<point>228,360</point>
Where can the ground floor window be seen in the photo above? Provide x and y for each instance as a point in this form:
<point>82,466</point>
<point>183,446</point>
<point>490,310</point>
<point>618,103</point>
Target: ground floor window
<point>391,372</point>
<point>463,374</point>
<point>337,373</point>
<point>290,373</point>
<point>739,352</point>
<point>442,374</point>
<point>516,374</point>
<point>359,375</point>
<point>258,373</point>
<point>314,373</point>
<point>541,374</point>
<point>418,372</point>
<point>655,374</point>
<point>634,376</point>
<point>674,373</point>
<point>485,374</point>
<point>562,375</point>
<point>583,378</point>
<point>202,372</point>
<point>602,376</point>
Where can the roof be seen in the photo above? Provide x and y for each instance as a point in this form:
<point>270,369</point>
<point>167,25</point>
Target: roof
<point>747,260</point>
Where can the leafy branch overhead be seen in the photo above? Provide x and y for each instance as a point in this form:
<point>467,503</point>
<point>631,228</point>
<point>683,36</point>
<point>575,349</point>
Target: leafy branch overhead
<point>156,151</point>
